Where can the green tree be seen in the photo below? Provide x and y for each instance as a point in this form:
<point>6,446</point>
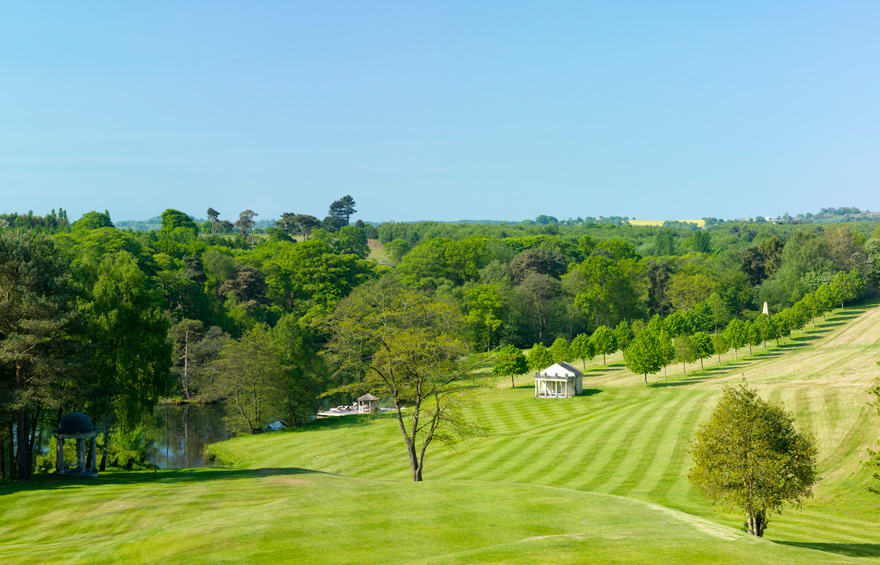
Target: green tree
<point>132,355</point>
<point>701,241</point>
<point>93,221</point>
<point>560,351</point>
<point>539,357</point>
<point>604,342</point>
<point>720,345</point>
<point>686,290</point>
<point>34,319</point>
<point>214,218</point>
<point>510,361</point>
<point>183,335</point>
<point>781,324</point>
<point>685,352</point>
<point>623,336</point>
<point>748,455</point>
<point>646,354</point>
<point>302,368</point>
<point>609,290</point>
<point>245,224</point>
<point>736,335</point>
<point>176,222</point>
<point>664,242</point>
<point>765,327</point>
<point>250,380</point>
<point>341,210</point>
<point>308,278</point>
<point>582,347</point>
<point>703,346</point>
<point>353,241</point>
<point>406,347</point>
<point>484,308</point>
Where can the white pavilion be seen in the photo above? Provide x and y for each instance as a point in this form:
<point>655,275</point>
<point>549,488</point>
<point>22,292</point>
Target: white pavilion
<point>559,380</point>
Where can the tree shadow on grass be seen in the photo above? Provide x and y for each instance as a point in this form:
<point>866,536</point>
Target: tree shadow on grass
<point>680,382</point>
<point>848,549</point>
<point>43,482</point>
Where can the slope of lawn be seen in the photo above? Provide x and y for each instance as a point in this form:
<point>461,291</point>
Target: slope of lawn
<point>596,478</point>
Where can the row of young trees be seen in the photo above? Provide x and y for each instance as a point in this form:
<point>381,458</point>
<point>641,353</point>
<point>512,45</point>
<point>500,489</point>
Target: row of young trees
<point>684,337</point>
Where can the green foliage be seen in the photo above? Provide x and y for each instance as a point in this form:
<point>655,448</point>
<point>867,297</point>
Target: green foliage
<point>736,335</point>
<point>132,356</point>
<point>409,348</point>
<point>582,347</point>
<point>539,357</point>
<point>560,351</point>
<point>176,223</point>
<point>353,241</point>
<point>685,351</point>
<point>433,261</point>
<point>647,353</point>
<point>604,342</point>
<point>308,278</point>
<point>93,221</point>
<point>510,361</point>
<point>703,346</point>
<point>484,307</point>
<point>749,456</point>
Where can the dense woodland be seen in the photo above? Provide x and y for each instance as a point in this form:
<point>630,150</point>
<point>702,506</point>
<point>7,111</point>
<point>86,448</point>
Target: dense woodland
<point>108,321</point>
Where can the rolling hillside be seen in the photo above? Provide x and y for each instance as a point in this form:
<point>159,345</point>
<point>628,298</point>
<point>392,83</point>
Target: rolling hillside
<point>596,478</point>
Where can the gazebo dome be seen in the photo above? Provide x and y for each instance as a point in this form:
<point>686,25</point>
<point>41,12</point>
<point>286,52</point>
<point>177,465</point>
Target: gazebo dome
<point>367,397</point>
<point>75,423</point>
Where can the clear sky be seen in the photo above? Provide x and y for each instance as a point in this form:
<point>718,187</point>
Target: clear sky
<point>440,110</point>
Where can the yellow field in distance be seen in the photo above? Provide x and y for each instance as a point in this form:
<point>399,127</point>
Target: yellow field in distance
<point>700,223</point>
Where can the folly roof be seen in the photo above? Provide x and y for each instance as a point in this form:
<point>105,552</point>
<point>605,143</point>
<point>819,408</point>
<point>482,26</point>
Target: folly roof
<point>561,369</point>
<point>75,423</point>
<point>367,397</point>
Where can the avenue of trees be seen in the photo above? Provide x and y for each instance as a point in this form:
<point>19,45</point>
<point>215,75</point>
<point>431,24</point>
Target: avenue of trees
<point>107,321</point>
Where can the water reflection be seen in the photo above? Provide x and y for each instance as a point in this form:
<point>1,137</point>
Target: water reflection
<point>179,434</point>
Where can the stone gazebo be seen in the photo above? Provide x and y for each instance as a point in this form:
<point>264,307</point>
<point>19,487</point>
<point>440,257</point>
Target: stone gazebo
<point>78,426</point>
<point>560,380</point>
<point>366,403</point>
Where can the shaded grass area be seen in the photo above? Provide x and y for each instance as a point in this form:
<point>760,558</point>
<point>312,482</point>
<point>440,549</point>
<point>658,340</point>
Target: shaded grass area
<point>596,478</point>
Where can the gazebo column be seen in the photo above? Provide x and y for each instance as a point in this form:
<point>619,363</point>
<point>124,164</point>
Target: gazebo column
<point>81,454</point>
<point>92,466</point>
<point>59,454</point>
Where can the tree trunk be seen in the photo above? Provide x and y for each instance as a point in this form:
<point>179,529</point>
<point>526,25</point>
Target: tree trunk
<point>512,384</point>
<point>24,455</point>
<point>186,364</point>
<point>701,364</point>
<point>684,368</point>
<point>756,522</point>
<point>11,435</point>
<point>646,379</point>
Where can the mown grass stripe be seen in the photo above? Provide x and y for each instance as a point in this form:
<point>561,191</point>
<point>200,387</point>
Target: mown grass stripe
<point>645,474</point>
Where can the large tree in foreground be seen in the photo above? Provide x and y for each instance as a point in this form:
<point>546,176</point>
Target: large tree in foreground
<point>749,456</point>
<point>408,348</point>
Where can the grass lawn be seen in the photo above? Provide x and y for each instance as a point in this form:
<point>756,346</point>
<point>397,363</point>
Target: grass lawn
<point>597,478</point>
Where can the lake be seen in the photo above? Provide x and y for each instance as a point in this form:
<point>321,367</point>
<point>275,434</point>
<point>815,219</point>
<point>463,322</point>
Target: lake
<point>179,434</point>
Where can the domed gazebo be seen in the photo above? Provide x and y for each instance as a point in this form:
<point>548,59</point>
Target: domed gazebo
<point>78,426</point>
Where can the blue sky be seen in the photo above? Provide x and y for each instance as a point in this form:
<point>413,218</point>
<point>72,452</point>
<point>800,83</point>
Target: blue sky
<point>443,111</point>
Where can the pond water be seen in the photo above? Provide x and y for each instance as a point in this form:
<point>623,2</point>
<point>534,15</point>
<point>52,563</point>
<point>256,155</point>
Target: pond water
<point>179,434</point>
